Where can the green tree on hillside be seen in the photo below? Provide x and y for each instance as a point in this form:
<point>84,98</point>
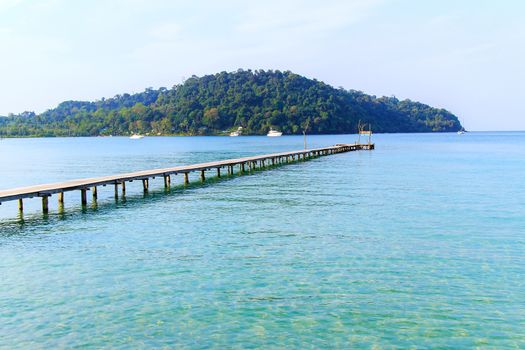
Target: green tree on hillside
<point>255,100</point>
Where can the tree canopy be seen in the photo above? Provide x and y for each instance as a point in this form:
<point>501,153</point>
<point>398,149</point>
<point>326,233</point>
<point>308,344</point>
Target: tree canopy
<point>214,104</point>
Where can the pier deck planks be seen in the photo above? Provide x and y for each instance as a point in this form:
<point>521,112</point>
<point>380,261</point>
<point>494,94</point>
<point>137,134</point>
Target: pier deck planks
<point>84,184</point>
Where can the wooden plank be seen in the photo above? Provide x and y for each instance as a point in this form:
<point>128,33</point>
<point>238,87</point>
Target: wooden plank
<point>83,184</point>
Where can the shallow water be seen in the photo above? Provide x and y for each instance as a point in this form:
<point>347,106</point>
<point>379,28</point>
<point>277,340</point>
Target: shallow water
<point>419,243</point>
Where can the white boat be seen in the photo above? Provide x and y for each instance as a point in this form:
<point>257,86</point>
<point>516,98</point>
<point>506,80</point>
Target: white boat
<point>136,137</point>
<point>274,133</point>
<point>237,132</point>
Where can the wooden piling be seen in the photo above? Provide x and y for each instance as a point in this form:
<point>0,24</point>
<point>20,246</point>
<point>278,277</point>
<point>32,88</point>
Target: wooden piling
<point>83,196</point>
<point>186,179</point>
<point>203,176</point>
<point>20,204</point>
<point>94,192</point>
<point>45,204</point>
<point>218,172</point>
<point>167,181</point>
<point>145,185</point>
<point>61,198</point>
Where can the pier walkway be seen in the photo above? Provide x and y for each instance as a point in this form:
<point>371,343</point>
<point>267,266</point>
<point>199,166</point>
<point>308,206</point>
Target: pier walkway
<point>83,185</point>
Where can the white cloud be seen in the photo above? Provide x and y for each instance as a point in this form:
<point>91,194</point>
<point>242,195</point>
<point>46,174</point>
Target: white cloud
<point>8,4</point>
<point>166,31</point>
<point>303,16</point>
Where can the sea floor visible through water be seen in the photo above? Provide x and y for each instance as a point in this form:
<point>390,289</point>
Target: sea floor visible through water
<point>417,244</point>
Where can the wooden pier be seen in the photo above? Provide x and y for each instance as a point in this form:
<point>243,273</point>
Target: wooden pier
<point>85,185</point>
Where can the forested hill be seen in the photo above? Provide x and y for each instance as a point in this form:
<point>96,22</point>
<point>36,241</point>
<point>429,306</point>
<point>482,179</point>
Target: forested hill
<point>214,104</point>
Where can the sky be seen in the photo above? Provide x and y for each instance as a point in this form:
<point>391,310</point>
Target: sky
<point>465,56</point>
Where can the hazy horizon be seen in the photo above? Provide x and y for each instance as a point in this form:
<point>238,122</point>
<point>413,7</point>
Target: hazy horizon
<point>466,58</point>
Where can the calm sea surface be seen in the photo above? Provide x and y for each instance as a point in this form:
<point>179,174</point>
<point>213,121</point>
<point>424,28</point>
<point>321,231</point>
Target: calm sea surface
<point>420,243</point>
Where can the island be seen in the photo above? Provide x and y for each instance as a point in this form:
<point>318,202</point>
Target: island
<point>217,104</point>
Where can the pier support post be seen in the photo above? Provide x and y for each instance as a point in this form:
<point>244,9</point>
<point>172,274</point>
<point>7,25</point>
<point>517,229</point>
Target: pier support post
<point>186,179</point>
<point>123,187</point>
<point>145,184</point>
<point>262,163</point>
<point>83,197</point>
<point>20,205</point>
<point>242,167</point>
<point>61,198</point>
<point>94,191</point>
<point>116,189</point>
<point>167,181</point>
<point>45,204</point>
<point>218,172</point>
<point>273,161</point>
<point>203,176</point>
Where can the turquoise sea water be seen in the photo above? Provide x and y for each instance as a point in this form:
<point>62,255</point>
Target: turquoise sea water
<point>418,244</point>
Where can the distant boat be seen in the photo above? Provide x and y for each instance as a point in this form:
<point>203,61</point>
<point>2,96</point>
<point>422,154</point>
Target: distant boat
<point>136,137</point>
<point>274,133</point>
<point>237,132</point>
